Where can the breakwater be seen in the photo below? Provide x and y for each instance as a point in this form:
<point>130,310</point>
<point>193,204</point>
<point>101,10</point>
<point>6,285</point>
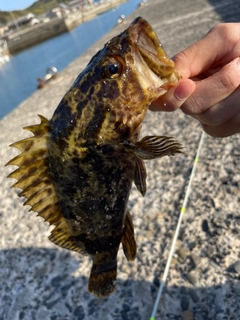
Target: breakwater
<point>43,31</point>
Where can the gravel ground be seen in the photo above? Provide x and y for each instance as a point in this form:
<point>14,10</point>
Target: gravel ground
<point>41,281</point>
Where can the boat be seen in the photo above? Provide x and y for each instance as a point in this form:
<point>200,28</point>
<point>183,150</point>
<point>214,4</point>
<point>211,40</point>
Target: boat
<point>51,73</point>
<point>121,18</point>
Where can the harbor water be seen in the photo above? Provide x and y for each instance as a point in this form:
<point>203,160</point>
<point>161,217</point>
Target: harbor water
<point>18,76</point>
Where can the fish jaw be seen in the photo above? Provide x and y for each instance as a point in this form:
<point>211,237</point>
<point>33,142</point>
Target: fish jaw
<point>157,70</point>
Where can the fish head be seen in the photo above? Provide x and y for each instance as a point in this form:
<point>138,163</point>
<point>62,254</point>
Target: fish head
<point>135,70</point>
<point>110,97</point>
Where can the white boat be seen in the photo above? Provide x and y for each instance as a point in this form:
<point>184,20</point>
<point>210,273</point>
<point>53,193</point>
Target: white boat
<point>4,59</point>
<point>3,49</point>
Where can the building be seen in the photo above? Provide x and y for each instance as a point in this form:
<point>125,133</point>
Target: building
<point>27,20</point>
<point>58,12</point>
<point>79,4</point>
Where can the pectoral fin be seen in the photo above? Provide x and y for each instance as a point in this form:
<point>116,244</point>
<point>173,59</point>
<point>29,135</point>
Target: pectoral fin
<point>151,147</point>
<point>128,239</point>
<point>140,176</point>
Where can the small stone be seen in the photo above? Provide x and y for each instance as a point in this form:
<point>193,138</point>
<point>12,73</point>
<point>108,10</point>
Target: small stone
<point>195,259</point>
<point>21,315</point>
<point>236,266</point>
<point>183,290</point>
<point>41,271</point>
<point>184,302</point>
<point>194,296</point>
<point>92,306</point>
<point>236,289</point>
<point>65,289</point>
<point>187,315</point>
<point>192,278</point>
<point>156,282</point>
<point>69,307</point>
<point>126,307</point>
<point>174,260</point>
<point>56,281</point>
<point>52,303</point>
<point>215,265</point>
<point>219,231</point>
<point>205,227</point>
<point>79,313</point>
<point>182,254</point>
<point>210,251</point>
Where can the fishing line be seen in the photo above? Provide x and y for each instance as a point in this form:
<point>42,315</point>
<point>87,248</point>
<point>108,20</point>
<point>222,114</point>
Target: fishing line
<point>182,211</point>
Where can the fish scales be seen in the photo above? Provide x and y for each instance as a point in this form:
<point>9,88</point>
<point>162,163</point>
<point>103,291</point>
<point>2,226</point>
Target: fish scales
<point>77,169</point>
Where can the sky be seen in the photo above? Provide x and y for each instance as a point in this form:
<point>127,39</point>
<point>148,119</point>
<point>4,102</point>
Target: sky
<point>8,5</point>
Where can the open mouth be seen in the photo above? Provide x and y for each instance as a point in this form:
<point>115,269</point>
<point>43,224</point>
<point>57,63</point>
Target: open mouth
<point>152,53</point>
<point>154,56</point>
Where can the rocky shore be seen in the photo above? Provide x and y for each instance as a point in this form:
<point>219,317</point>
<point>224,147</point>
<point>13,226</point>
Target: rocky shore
<point>41,281</point>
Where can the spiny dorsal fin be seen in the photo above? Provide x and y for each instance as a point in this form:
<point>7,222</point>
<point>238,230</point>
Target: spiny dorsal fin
<point>32,175</point>
<point>128,239</point>
<point>37,187</point>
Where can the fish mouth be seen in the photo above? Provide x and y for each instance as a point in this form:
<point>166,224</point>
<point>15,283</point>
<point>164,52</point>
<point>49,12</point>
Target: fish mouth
<point>151,59</point>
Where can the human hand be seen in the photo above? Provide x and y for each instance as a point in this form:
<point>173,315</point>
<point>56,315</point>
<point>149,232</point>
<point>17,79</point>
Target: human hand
<point>209,90</point>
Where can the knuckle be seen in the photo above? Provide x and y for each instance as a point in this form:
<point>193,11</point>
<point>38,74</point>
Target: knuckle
<point>226,34</point>
<point>182,62</point>
<point>229,80</point>
<point>192,106</point>
<point>229,33</point>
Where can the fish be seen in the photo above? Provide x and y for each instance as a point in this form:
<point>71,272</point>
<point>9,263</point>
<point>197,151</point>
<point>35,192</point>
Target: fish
<point>77,169</point>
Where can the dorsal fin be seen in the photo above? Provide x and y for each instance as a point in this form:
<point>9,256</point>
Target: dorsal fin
<point>37,187</point>
<point>32,175</point>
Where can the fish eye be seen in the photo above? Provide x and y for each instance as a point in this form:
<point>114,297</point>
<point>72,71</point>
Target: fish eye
<point>113,68</point>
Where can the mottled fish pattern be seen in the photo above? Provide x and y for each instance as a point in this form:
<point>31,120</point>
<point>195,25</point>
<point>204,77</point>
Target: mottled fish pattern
<point>77,169</point>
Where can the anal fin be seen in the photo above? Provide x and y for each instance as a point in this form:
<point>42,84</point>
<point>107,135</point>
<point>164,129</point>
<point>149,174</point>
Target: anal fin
<point>128,239</point>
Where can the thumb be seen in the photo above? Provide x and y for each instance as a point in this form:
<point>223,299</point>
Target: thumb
<point>175,96</point>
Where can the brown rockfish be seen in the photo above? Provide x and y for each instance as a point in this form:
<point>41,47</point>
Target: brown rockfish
<point>77,169</point>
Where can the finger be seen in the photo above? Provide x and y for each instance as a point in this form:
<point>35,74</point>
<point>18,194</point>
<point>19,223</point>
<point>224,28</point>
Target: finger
<point>212,90</point>
<point>225,129</point>
<point>175,96</point>
<point>222,112</point>
<point>223,40</point>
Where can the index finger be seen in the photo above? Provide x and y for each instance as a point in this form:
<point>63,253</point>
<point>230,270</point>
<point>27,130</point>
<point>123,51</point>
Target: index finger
<point>218,47</point>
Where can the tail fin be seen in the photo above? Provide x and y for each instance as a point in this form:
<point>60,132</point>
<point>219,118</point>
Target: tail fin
<point>103,275</point>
